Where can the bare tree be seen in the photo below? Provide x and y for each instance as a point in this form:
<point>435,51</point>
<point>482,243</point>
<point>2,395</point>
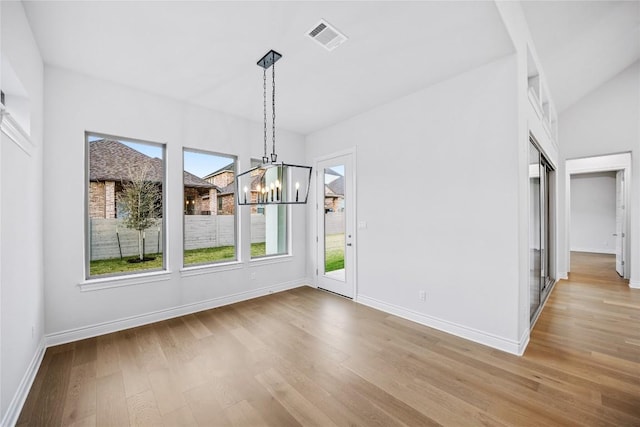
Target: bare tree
<point>141,203</point>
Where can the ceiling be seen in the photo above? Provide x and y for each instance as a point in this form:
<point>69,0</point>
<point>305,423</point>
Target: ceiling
<point>583,44</point>
<point>205,52</point>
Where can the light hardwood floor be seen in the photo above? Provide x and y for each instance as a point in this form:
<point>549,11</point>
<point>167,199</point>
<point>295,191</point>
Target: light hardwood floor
<point>307,357</point>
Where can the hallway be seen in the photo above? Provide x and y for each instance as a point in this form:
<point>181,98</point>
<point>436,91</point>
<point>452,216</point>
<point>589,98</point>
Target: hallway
<point>589,331</point>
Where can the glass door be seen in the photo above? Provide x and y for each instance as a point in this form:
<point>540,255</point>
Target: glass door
<point>335,225</point>
<point>535,230</point>
<point>540,279</point>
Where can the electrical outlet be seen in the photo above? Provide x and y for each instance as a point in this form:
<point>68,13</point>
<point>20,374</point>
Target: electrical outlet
<point>423,295</point>
<point>253,276</point>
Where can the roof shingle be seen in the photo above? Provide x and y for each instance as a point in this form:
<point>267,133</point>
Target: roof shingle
<point>111,160</point>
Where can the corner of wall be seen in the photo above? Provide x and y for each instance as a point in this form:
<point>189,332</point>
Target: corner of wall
<point>480,337</point>
<point>10,417</point>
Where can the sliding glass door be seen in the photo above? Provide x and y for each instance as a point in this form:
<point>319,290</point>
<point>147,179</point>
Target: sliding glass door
<point>540,252</point>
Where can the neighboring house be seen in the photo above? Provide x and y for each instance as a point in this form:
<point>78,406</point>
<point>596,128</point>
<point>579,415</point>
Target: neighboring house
<point>334,195</point>
<point>110,163</point>
<point>224,180</point>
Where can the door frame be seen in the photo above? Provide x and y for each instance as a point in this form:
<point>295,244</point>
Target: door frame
<point>606,163</point>
<point>349,151</point>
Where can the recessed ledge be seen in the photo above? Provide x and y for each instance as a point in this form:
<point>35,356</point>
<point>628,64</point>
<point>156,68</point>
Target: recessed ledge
<point>10,127</point>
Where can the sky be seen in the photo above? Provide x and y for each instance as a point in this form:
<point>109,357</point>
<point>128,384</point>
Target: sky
<point>329,177</point>
<point>202,164</point>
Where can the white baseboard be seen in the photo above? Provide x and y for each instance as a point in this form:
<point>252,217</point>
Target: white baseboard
<point>90,331</point>
<point>15,407</point>
<point>563,275</point>
<point>500,343</point>
<point>634,284</point>
<point>524,342</point>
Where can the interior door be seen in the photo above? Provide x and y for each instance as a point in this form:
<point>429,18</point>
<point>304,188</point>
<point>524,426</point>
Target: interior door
<point>336,217</point>
<point>620,220</point>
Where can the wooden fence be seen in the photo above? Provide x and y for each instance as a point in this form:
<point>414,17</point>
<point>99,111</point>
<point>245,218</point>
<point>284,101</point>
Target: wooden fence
<point>200,231</point>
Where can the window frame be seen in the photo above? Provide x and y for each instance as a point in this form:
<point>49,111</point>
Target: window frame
<point>270,258</point>
<point>190,269</point>
<point>128,277</point>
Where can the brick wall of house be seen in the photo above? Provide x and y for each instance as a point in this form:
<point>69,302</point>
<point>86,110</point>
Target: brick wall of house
<point>228,204</point>
<point>213,205</point>
<point>96,199</point>
<point>195,204</point>
<point>223,179</point>
<point>110,199</point>
<point>334,204</point>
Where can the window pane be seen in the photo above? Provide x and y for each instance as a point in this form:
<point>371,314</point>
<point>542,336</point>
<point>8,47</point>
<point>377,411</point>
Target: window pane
<point>125,206</point>
<point>334,223</point>
<point>268,225</point>
<point>209,208</point>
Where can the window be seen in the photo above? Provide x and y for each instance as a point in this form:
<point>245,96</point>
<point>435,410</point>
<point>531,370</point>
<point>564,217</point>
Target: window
<point>210,208</point>
<point>268,227</point>
<point>125,209</point>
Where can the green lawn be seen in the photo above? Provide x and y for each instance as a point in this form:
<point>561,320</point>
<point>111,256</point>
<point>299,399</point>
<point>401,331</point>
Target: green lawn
<point>258,249</point>
<point>221,253</point>
<point>191,257</point>
<point>117,265</point>
<point>334,252</point>
<point>334,258</point>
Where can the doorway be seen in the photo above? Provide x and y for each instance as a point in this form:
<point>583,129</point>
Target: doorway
<point>618,166</point>
<point>597,215</point>
<point>335,194</point>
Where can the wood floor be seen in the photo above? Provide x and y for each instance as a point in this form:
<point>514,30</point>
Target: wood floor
<point>307,357</point>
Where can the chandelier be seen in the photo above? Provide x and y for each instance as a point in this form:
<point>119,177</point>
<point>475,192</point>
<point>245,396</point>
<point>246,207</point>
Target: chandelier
<point>272,182</point>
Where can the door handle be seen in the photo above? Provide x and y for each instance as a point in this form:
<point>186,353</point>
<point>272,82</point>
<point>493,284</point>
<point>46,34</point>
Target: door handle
<point>348,244</point>
<point>615,234</point>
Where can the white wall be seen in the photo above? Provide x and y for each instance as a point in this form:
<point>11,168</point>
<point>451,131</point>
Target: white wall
<point>75,103</point>
<point>606,121</point>
<point>593,212</point>
<point>446,161</point>
<point>529,123</point>
<point>21,272</point>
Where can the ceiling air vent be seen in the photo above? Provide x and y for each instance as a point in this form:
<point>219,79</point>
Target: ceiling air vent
<point>326,35</point>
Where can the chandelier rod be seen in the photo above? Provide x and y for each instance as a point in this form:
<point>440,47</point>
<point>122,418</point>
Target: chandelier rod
<point>265,159</point>
<point>274,156</point>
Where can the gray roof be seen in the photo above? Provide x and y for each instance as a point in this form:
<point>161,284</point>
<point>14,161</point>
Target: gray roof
<point>337,186</point>
<point>229,189</point>
<point>227,168</point>
<point>111,160</point>
<point>190,180</point>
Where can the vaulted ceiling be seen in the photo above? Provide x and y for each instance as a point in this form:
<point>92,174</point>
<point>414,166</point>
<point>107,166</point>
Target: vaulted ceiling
<point>583,44</point>
<point>205,53</point>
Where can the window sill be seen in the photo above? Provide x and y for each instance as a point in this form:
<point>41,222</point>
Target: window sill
<point>118,281</point>
<point>275,259</point>
<point>197,270</point>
